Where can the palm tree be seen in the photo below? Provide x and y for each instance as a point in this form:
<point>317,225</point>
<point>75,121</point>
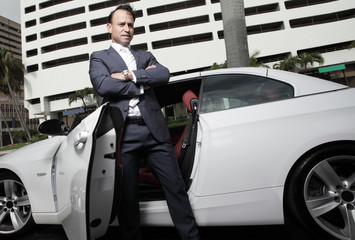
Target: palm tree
<point>235,33</point>
<point>81,95</point>
<point>309,58</point>
<point>218,66</point>
<point>11,79</point>
<point>288,64</point>
<point>254,60</point>
<point>2,117</point>
<point>352,45</point>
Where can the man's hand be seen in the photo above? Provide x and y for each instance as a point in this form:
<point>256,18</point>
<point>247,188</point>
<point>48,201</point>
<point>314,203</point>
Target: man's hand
<point>150,67</point>
<point>120,76</point>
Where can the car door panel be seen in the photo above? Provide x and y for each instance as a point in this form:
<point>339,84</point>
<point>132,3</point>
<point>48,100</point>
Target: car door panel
<point>86,176</point>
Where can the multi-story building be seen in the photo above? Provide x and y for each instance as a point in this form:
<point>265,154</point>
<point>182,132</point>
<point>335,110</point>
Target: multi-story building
<point>59,35</point>
<point>10,38</point>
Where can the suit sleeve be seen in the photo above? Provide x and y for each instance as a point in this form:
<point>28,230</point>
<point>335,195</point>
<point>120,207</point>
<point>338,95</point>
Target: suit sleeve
<point>152,77</point>
<point>104,84</point>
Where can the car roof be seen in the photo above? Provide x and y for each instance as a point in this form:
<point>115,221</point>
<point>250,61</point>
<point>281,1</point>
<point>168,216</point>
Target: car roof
<point>303,84</point>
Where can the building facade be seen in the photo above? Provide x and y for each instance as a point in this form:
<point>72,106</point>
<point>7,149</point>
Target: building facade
<point>59,35</point>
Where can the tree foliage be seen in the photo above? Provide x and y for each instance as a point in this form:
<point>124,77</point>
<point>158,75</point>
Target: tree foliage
<point>302,61</point>
<point>352,45</point>
<point>82,95</point>
<point>11,71</point>
<point>11,80</point>
<point>254,62</point>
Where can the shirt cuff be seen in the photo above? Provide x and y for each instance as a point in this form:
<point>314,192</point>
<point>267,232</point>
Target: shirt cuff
<point>141,87</point>
<point>134,77</point>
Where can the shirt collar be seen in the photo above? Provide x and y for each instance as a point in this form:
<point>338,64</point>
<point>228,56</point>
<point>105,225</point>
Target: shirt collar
<point>118,46</point>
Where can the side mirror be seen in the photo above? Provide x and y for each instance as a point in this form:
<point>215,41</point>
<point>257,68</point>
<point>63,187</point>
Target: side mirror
<point>53,127</point>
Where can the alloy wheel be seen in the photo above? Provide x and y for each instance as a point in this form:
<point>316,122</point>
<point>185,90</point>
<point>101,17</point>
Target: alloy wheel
<point>15,208</point>
<point>329,193</point>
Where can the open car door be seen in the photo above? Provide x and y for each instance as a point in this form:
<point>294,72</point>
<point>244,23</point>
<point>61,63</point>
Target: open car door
<point>86,174</point>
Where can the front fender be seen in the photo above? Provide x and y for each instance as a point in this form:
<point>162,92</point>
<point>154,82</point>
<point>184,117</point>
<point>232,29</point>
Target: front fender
<point>33,164</point>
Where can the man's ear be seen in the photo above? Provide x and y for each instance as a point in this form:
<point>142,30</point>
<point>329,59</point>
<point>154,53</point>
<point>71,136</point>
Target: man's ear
<point>109,27</point>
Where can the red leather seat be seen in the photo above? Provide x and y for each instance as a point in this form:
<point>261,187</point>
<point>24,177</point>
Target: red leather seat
<point>145,175</point>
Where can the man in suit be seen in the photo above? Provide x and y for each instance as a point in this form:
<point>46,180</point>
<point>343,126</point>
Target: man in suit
<point>126,78</point>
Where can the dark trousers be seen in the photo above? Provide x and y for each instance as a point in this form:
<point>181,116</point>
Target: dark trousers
<point>138,143</point>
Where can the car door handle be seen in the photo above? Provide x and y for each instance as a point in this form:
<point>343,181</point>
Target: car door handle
<point>110,155</point>
<point>81,137</point>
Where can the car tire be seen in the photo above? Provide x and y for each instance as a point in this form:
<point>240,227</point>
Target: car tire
<point>320,193</point>
<point>15,208</point>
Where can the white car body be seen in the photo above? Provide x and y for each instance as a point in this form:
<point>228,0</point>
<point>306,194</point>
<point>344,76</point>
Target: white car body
<point>243,157</point>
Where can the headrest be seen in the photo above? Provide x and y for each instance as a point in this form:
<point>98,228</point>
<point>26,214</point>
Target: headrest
<point>187,97</point>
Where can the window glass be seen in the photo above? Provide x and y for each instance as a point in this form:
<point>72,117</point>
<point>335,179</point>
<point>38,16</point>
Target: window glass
<point>233,91</point>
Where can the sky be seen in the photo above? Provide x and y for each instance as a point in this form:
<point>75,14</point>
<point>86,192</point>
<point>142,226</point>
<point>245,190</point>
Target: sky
<point>10,9</point>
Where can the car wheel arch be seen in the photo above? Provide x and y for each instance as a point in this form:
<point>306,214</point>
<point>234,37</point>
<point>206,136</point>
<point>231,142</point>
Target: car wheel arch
<point>309,158</point>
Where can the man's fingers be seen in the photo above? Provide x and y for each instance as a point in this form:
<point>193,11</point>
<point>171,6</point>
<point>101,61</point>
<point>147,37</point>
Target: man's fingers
<point>150,67</point>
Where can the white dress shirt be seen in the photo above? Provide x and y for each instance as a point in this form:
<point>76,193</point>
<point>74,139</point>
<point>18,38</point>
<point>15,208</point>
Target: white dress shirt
<point>133,110</point>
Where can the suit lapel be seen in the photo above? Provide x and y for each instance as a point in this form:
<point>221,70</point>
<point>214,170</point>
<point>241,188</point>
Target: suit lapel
<point>136,56</point>
<point>115,56</point>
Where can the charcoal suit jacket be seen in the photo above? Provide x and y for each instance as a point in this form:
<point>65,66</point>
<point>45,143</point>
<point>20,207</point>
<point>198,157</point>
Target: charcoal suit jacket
<point>118,93</point>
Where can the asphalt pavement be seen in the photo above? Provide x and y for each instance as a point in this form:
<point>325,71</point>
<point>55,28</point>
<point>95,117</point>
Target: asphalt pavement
<point>279,232</point>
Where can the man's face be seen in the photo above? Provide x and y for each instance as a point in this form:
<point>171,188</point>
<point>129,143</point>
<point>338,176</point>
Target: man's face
<point>121,27</point>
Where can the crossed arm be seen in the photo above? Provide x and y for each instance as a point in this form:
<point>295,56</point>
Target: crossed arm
<point>120,75</point>
<point>108,80</point>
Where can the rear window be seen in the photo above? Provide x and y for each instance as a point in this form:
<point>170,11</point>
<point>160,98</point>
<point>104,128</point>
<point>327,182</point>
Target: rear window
<point>233,91</point>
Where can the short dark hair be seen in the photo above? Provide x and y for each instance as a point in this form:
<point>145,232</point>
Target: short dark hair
<point>126,7</point>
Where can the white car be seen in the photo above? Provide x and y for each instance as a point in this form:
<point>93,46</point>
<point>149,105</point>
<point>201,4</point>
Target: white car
<point>262,147</point>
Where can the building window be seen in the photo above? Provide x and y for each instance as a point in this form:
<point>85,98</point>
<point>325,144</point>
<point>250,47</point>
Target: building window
<point>139,30</point>
<point>183,40</point>
<point>253,11</point>
<point>63,45</point>
<point>31,23</point>
<point>142,46</point>
<point>31,38</point>
<point>63,14</point>
<point>30,9</point>
<point>66,60</point>
<point>98,21</point>
<point>101,37</point>
<point>179,23</point>
<point>103,20</point>
<point>326,18</point>
<point>107,4</point>
<point>32,68</point>
<point>34,101</point>
<point>326,48</point>
<point>31,53</point>
<point>269,27</point>
<point>304,3</point>
<point>274,58</point>
<point>262,9</point>
<point>52,3</point>
<point>175,6</point>
<point>64,29</point>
